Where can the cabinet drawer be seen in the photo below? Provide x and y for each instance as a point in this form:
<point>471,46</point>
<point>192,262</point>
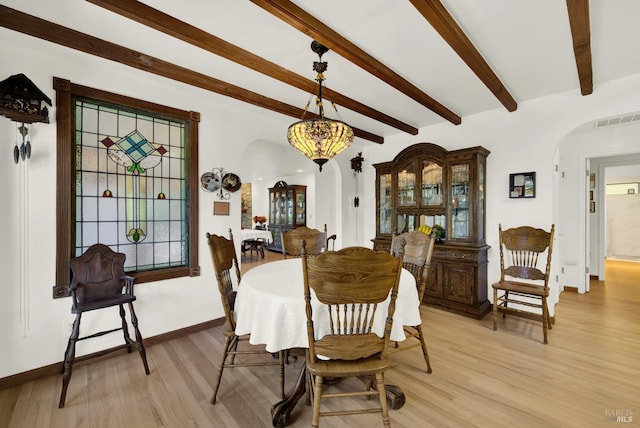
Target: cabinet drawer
<point>460,254</point>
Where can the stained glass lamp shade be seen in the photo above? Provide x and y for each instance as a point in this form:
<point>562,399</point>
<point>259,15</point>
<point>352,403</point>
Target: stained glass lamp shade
<point>320,138</point>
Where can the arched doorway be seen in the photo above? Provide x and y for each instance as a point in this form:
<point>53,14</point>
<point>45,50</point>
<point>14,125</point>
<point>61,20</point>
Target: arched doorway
<point>605,137</point>
<point>266,162</point>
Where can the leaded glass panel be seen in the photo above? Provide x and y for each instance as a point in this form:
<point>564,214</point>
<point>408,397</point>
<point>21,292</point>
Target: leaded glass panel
<point>131,184</point>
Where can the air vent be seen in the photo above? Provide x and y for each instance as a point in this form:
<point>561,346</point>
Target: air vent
<point>619,120</point>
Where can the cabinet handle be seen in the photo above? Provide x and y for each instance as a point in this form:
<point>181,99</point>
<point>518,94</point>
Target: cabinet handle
<point>459,255</point>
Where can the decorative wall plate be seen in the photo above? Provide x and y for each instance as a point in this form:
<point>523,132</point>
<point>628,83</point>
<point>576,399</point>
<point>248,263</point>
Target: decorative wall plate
<point>210,182</point>
<point>231,182</point>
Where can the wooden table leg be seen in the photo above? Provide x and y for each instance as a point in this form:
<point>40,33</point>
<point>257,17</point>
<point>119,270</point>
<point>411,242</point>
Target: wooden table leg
<point>395,396</point>
<point>281,411</point>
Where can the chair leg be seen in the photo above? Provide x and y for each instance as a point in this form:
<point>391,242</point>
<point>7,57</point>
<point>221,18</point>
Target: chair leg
<point>233,349</point>
<point>382,395</point>
<point>69,356</point>
<point>125,328</point>
<point>227,344</point>
<point>309,388</point>
<point>317,392</point>
<point>548,315</point>
<point>506,302</point>
<point>139,342</point>
<point>545,319</point>
<point>495,309</point>
<point>424,347</point>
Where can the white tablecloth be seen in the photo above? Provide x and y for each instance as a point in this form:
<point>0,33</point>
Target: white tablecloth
<point>255,234</point>
<point>270,306</point>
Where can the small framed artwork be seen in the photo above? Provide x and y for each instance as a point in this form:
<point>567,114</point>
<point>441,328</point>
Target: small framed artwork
<point>592,180</point>
<point>591,195</point>
<point>592,207</point>
<point>631,191</point>
<point>221,208</point>
<point>522,185</point>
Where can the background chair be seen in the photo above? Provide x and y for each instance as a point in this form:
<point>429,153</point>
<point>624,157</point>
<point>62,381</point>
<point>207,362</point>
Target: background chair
<point>349,283</point>
<point>224,259</point>
<point>523,284</point>
<point>331,240</point>
<point>256,245</point>
<point>98,282</point>
<point>316,241</point>
<point>415,249</point>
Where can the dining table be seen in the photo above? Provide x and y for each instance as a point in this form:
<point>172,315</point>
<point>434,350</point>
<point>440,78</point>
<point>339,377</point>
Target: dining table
<point>256,234</point>
<point>270,307</point>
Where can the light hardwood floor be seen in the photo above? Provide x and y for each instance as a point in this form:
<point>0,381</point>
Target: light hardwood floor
<point>481,378</point>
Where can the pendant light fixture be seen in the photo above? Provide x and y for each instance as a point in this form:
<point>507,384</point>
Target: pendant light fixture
<point>320,138</point>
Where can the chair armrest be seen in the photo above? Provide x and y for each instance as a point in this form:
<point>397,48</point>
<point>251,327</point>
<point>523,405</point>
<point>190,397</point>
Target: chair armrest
<point>128,284</point>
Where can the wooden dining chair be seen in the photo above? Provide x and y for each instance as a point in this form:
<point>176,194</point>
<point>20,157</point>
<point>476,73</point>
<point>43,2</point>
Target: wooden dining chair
<point>315,239</point>
<point>99,282</point>
<point>522,283</point>
<point>224,259</point>
<point>415,249</point>
<point>349,284</point>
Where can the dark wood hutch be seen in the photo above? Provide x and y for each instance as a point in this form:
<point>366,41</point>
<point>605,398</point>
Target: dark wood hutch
<point>287,210</point>
<point>426,184</point>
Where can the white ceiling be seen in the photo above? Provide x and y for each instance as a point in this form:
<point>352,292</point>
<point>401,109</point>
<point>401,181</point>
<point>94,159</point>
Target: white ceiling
<point>527,44</point>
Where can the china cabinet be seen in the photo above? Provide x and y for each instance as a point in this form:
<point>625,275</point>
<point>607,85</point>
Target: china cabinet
<point>428,185</point>
<point>287,210</point>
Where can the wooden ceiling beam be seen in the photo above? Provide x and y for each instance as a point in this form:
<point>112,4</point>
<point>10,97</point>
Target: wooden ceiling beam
<point>581,35</point>
<point>167,24</point>
<point>54,33</point>
<point>450,31</point>
<point>309,25</point>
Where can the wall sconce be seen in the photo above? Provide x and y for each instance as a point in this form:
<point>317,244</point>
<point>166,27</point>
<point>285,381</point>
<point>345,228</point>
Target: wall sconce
<point>21,101</point>
<point>356,163</point>
<point>356,166</point>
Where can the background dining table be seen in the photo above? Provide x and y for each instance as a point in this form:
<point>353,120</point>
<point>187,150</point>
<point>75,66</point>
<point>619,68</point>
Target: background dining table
<point>254,234</point>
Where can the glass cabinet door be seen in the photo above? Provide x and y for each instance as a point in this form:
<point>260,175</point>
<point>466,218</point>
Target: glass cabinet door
<point>385,204</point>
<point>459,204</point>
<point>272,207</point>
<point>281,210</point>
<point>279,207</point>
<point>289,207</point>
<point>481,202</point>
<point>407,223</point>
<point>431,183</point>
<point>300,208</point>
<point>407,186</point>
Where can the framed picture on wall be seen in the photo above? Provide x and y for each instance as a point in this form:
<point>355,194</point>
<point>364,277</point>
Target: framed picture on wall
<point>522,185</point>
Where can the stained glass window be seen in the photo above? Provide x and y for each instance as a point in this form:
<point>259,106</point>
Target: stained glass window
<point>132,189</point>
<point>130,185</point>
